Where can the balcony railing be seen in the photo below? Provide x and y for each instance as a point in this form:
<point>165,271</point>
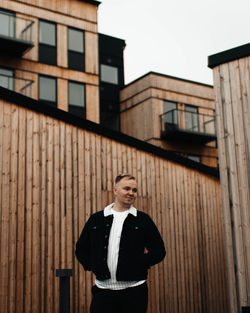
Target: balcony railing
<point>16,34</point>
<point>184,125</point>
<point>20,85</point>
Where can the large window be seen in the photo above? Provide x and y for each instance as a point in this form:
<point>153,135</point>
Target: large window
<point>76,101</point>
<point>47,43</point>
<point>7,78</point>
<point>7,23</point>
<point>48,90</point>
<point>170,112</point>
<point>192,118</point>
<point>76,57</point>
<point>109,74</point>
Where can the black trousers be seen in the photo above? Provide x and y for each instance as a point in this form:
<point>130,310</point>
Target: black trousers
<point>129,300</point>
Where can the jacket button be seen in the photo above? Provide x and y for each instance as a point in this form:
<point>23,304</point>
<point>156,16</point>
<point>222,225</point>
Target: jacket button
<point>136,227</point>
<point>106,236</point>
<point>107,225</point>
<point>105,247</point>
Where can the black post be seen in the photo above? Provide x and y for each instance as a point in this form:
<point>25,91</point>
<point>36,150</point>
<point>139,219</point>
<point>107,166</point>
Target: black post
<point>64,297</point>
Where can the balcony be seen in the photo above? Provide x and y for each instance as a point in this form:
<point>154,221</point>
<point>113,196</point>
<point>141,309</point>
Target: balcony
<point>185,126</point>
<point>16,34</point>
<point>20,85</point>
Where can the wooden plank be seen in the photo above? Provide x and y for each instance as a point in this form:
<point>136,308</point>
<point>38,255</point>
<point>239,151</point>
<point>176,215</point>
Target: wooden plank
<point>98,174</point>
<point>62,44</point>
<point>36,215</point>
<point>88,210</point>
<point>241,131</point>
<point>5,207</point>
<point>92,103</point>
<point>50,237</point>
<point>20,245</point>
<point>91,51</point>
<point>28,217</point>
<point>62,94</point>
<point>220,75</point>
<point>79,272</point>
<point>44,221</point>
<point>56,204</point>
<point>63,207</point>
<point>13,209</point>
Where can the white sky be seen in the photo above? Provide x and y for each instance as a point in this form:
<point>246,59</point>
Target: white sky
<point>174,37</point>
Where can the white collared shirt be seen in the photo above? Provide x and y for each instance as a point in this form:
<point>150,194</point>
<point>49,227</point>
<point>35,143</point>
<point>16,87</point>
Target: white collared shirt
<point>113,250</point>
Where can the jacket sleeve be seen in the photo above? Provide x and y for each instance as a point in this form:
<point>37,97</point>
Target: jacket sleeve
<point>154,245</point>
<point>82,251</point>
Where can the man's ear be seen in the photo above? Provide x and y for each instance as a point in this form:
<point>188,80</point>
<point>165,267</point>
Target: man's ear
<point>115,191</point>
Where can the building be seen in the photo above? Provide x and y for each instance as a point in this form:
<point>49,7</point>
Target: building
<point>111,79</point>
<point>231,80</point>
<point>49,51</point>
<point>172,113</point>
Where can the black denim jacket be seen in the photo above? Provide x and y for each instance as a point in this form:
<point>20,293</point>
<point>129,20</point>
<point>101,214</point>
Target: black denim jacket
<point>141,246</point>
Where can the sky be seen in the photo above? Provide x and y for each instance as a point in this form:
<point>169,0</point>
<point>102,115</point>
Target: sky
<point>174,37</point>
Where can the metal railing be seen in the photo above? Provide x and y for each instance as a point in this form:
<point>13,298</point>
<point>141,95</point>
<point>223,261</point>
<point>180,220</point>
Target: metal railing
<point>188,121</point>
<point>16,27</point>
<point>20,85</point>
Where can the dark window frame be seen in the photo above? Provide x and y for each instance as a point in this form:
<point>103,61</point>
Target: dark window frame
<point>53,103</point>
<point>13,76</point>
<point>11,14</point>
<point>47,53</point>
<point>74,109</point>
<point>76,60</point>
<point>108,81</point>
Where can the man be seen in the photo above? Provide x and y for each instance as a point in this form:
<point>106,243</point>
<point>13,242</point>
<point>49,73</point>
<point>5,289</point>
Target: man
<point>119,244</point>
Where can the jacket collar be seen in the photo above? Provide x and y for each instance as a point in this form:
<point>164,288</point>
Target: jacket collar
<point>107,210</point>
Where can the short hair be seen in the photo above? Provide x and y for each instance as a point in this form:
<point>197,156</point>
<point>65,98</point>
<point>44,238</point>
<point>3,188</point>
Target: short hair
<point>121,176</point>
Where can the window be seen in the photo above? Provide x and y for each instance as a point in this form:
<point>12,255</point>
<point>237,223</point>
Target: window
<point>47,43</point>
<point>76,92</point>
<point>170,112</point>
<point>76,57</point>
<point>192,120</point>
<point>7,23</point>
<point>195,158</point>
<point>109,74</point>
<point>47,89</point>
<point>7,78</point>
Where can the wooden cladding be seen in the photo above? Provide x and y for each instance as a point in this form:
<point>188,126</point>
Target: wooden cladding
<point>232,88</point>
<point>54,175</point>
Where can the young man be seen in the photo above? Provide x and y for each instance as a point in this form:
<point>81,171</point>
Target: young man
<point>119,244</point>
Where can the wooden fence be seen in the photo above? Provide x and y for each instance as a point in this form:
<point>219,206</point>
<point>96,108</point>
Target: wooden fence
<point>53,175</point>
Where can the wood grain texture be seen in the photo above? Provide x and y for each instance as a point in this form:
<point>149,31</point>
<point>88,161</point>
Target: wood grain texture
<point>233,106</point>
<point>54,176</point>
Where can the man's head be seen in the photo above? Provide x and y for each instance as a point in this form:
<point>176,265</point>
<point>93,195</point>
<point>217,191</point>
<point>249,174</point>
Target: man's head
<point>125,190</point>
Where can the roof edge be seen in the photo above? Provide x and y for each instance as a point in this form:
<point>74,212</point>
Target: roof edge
<point>168,76</point>
<point>97,3</point>
<point>43,108</point>
<point>228,55</point>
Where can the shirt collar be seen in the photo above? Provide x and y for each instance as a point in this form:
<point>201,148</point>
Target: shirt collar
<point>108,211</point>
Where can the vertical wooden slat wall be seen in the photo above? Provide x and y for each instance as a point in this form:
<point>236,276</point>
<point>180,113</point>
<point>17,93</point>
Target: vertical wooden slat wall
<point>232,88</point>
<point>54,175</point>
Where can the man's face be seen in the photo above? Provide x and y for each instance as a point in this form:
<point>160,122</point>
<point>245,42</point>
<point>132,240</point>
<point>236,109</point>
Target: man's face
<point>126,192</point>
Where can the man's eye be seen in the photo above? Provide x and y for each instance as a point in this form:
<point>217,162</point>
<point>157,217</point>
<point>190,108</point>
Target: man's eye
<point>134,190</point>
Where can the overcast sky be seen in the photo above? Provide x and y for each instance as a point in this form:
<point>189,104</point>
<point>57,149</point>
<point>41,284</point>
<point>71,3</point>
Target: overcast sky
<point>174,37</point>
